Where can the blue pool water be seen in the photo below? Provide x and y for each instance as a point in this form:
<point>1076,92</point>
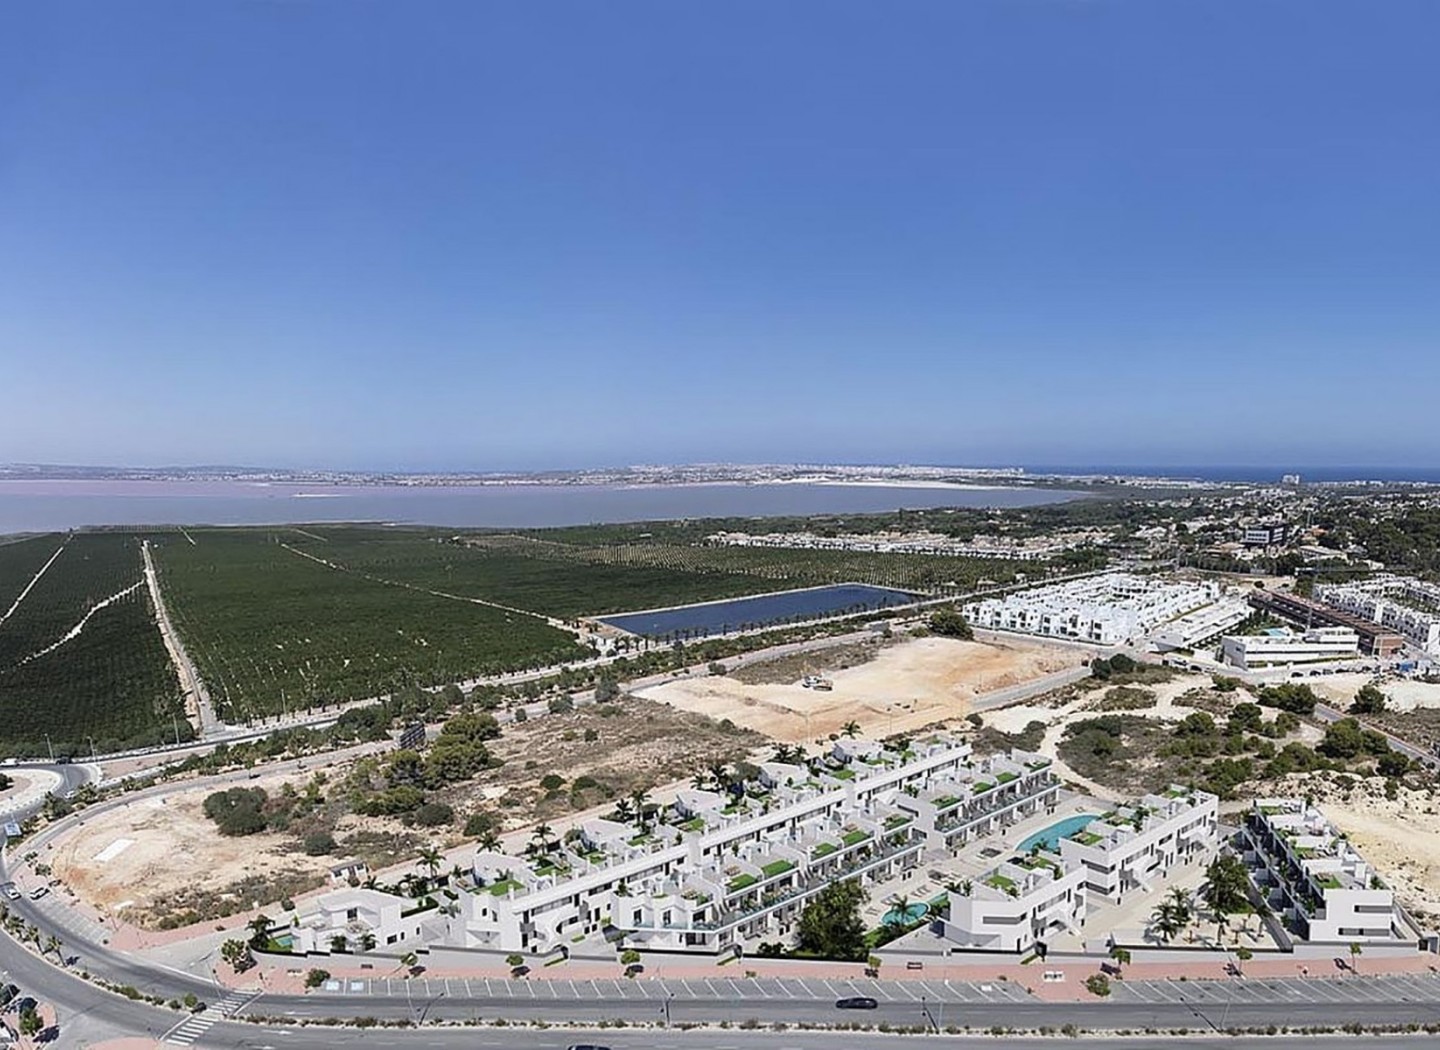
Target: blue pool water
<point>894,917</point>
<point>762,610</point>
<point>1050,837</point>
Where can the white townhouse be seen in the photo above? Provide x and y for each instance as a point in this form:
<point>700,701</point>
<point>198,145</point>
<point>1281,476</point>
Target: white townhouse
<point>1133,846</point>
<point>1313,879</point>
<point>1401,603</point>
<point>726,867</point>
<point>355,914</point>
<point>1017,904</point>
<point>1108,609</point>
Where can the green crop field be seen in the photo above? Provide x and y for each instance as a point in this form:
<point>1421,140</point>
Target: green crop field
<point>80,655</point>
<point>551,579</point>
<point>272,631</point>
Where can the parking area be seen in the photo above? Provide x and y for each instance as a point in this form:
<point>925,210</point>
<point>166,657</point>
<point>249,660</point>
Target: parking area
<point>1380,989</point>
<point>727,989</point>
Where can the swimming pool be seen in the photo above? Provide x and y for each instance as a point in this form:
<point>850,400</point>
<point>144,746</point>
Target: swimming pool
<point>1050,837</point>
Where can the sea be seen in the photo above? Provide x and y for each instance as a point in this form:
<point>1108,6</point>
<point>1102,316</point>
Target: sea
<point>56,505</point>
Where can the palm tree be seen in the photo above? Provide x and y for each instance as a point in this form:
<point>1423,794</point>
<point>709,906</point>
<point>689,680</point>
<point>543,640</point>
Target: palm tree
<point>53,945</point>
<point>430,859</point>
<point>720,775</point>
<point>1165,920</point>
<point>490,840</point>
<point>1355,951</point>
<point>640,799</point>
<point>851,729</point>
<point>259,930</point>
<point>543,839</point>
<point>623,810</point>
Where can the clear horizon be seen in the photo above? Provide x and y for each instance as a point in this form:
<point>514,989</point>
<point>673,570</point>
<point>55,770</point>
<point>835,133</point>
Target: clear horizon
<point>479,237</point>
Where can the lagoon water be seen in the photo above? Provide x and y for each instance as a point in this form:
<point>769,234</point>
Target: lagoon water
<point>43,506</point>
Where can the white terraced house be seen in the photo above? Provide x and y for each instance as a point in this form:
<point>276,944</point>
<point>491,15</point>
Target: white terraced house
<point>353,914</point>
<point>719,867</point>
<point>1109,609</point>
<point>1017,904</point>
<point>1401,603</point>
<point>1313,879</point>
<point>1133,846</point>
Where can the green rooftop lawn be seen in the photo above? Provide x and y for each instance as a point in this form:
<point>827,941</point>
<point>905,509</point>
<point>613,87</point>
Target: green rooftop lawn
<point>844,774</point>
<point>823,850</point>
<point>946,802</point>
<point>1086,838</point>
<point>740,882</point>
<point>852,837</point>
<point>693,824</point>
<point>503,887</point>
<point>1005,778</point>
<point>980,789</point>
<point>777,867</point>
<point>896,820</point>
<point>1001,882</point>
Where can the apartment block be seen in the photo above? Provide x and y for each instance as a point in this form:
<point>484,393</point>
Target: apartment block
<point>1280,648</point>
<point>1109,609</point>
<point>1408,606</point>
<point>1312,878</point>
<point>1017,904</point>
<point>718,867</point>
<point>1132,847</point>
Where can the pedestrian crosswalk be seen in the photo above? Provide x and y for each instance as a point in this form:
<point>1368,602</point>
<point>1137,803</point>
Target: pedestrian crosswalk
<point>196,1025</point>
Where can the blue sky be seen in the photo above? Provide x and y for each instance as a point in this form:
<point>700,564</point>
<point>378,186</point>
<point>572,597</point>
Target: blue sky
<point>472,235</point>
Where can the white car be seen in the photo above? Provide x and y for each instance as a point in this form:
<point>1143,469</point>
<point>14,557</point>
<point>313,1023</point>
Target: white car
<point>38,892</point>
<point>11,893</point>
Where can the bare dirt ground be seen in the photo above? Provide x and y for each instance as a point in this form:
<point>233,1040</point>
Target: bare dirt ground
<point>159,860</point>
<point>638,744</point>
<point>1403,694</point>
<point>145,859</point>
<point>906,686</point>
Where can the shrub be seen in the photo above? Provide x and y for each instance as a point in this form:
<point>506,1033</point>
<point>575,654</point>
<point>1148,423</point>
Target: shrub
<point>552,782</point>
<point>319,843</point>
<point>561,705</point>
<point>479,822</point>
<point>237,811</point>
<point>948,623</point>
<point>433,814</point>
<point>1098,984</point>
<point>522,715</point>
<point>316,977</point>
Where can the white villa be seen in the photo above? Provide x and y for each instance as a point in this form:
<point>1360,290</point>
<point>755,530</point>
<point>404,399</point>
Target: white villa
<point>1312,877</point>
<point>352,913</point>
<point>718,868</point>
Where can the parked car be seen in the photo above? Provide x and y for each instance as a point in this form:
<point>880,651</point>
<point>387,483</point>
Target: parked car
<point>10,892</point>
<point>586,1046</point>
<point>8,993</point>
<point>856,1002</point>
<point>38,892</point>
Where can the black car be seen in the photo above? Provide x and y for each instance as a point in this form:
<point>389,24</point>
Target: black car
<point>856,1002</point>
<point>7,993</point>
<point>586,1046</point>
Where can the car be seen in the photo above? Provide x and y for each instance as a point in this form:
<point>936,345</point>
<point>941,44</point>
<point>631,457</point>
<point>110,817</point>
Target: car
<point>8,993</point>
<point>856,1002</point>
<point>11,893</point>
<point>586,1046</point>
<point>38,892</point>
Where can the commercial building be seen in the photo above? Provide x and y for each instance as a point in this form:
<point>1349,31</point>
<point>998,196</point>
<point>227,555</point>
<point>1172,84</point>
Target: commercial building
<point>1307,613</point>
<point>1025,899</point>
<point>1313,879</point>
<point>1280,647</point>
<point>1109,609</point>
<point>717,868</point>
<point>1408,606</point>
<point>1265,534</point>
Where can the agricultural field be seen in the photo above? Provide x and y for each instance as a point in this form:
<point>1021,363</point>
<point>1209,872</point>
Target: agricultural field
<point>80,654</point>
<point>272,630</point>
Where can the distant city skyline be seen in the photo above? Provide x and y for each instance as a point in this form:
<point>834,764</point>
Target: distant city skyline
<point>517,237</point>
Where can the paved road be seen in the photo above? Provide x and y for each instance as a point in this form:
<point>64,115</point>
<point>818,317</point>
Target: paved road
<point>190,678</point>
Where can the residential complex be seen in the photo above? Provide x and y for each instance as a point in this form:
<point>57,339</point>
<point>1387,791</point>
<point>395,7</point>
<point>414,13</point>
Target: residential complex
<point>717,868</point>
<point>1109,609</point>
<point>354,919</point>
<point>1205,624</point>
<point>1024,900</point>
<point>1279,647</point>
<point>1002,547</point>
<point>1313,879</point>
<point>1408,606</point>
<point>1308,613</point>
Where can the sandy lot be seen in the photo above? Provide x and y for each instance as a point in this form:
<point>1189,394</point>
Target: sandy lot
<point>905,687</point>
<point>1405,695</point>
<point>147,853</point>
